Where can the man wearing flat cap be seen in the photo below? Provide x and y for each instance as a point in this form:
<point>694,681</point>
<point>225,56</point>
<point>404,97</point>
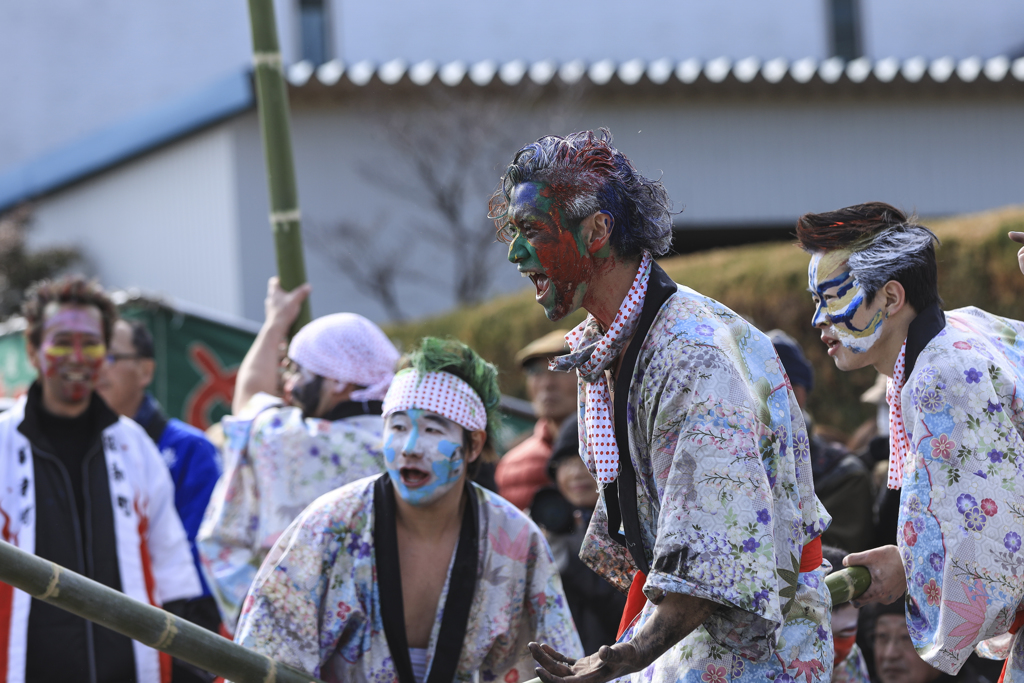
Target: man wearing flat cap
<point>524,469</point>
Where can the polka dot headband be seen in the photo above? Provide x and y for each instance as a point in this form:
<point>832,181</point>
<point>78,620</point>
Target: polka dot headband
<point>437,392</point>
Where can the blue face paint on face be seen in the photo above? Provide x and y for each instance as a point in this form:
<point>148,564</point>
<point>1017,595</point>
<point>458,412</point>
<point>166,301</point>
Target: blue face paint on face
<point>423,454</point>
<point>838,298</point>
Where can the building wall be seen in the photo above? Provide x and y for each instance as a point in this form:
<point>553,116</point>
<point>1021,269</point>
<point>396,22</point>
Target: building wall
<point>765,162</point>
<point>592,30</point>
<point>730,161</point>
<point>78,66</point>
<point>166,222</point>
<point>82,66</point>
<point>940,28</point>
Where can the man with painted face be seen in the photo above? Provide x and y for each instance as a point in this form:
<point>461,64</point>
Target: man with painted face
<point>281,456</point>
<point>707,514</point>
<point>419,574</point>
<point>956,425</point>
<point>88,490</point>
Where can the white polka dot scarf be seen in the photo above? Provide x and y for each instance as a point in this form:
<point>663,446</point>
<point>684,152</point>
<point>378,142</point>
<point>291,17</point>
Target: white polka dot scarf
<point>899,445</point>
<point>593,351</point>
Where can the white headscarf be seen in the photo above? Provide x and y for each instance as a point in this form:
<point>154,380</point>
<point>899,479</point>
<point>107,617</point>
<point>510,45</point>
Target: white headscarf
<point>350,349</point>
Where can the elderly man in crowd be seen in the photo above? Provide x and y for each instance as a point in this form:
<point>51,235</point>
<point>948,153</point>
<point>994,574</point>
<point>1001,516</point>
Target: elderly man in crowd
<point>524,469</point>
<point>86,489</point>
<point>285,452</point>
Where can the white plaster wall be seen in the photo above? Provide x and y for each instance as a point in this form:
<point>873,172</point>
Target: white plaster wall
<point>166,222</point>
<point>72,67</point>
<point>768,162</point>
<point>591,30</point>
<point>939,28</point>
<point>728,162</point>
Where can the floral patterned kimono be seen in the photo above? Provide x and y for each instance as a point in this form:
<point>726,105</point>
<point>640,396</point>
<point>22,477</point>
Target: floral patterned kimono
<point>853,669</point>
<point>962,501</point>
<point>277,463</point>
<point>715,497</point>
<point>321,600</point>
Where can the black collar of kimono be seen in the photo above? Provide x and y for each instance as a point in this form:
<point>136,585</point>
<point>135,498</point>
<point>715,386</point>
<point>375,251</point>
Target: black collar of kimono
<point>621,500</point>
<point>461,587</point>
<point>354,408</point>
<point>923,329</point>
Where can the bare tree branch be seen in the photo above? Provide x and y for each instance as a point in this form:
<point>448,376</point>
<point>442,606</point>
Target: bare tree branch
<point>448,150</point>
<point>19,267</point>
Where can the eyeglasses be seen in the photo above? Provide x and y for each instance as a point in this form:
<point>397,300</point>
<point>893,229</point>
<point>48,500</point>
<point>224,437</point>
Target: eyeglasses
<point>114,357</point>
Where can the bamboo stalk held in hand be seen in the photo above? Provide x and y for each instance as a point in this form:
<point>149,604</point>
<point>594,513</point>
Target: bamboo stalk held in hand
<point>272,99</point>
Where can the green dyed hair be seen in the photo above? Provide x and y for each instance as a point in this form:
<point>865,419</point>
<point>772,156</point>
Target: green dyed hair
<point>454,357</point>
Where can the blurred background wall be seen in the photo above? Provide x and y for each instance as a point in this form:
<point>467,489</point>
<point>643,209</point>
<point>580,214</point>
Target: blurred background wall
<point>132,130</point>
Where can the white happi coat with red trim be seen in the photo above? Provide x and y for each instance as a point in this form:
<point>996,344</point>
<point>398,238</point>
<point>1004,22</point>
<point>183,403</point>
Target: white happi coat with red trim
<point>152,550</point>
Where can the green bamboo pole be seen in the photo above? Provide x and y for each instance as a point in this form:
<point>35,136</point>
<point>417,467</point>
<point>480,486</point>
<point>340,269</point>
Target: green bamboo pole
<point>150,626</point>
<point>847,584</point>
<point>844,585</point>
<point>272,98</point>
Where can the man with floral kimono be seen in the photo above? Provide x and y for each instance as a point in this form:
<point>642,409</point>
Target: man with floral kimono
<point>956,422</point>
<point>419,574</point>
<point>707,514</point>
<point>284,452</point>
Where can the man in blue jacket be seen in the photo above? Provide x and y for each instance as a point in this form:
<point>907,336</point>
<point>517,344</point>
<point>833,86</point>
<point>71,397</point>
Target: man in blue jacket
<point>192,459</point>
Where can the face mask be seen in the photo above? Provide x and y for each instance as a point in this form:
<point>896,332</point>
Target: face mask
<point>423,454</point>
<point>843,647</point>
<point>306,392</point>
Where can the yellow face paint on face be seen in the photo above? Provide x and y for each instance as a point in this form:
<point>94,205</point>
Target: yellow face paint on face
<point>90,352</point>
<point>838,298</point>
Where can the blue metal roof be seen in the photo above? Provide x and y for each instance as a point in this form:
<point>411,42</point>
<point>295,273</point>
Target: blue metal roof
<point>215,102</point>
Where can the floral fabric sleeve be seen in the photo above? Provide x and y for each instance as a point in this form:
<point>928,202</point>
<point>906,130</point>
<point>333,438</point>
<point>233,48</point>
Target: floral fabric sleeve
<point>961,507</point>
<point>226,540</point>
<point>305,599</point>
<point>715,538</point>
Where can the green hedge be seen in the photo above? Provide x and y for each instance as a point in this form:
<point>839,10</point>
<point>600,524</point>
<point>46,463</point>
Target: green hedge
<point>767,284</point>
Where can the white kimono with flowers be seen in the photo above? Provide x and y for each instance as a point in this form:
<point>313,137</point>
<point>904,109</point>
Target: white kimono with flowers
<point>315,603</point>
<point>962,501</point>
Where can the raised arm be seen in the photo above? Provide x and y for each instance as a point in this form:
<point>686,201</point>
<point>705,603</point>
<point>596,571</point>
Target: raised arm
<point>258,372</point>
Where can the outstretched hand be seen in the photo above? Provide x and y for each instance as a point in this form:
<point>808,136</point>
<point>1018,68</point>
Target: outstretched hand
<point>1018,237</point>
<point>888,578</point>
<point>282,307</point>
<point>608,663</point>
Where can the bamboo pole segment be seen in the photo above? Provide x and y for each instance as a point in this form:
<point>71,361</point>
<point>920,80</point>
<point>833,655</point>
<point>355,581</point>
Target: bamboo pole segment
<point>272,99</point>
<point>847,584</point>
<point>149,625</point>
<point>844,585</point>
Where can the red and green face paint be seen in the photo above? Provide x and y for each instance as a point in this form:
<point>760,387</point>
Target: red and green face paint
<point>72,351</point>
<point>548,248</point>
